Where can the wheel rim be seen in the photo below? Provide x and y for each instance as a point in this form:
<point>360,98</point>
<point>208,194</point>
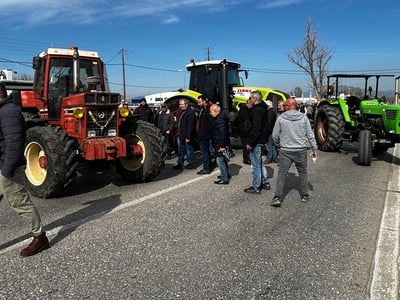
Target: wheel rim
<point>136,153</point>
<point>36,169</point>
<point>322,131</point>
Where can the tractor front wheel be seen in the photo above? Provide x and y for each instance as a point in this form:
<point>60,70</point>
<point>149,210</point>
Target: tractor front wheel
<point>146,154</point>
<point>50,161</point>
<point>365,148</point>
<point>329,128</point>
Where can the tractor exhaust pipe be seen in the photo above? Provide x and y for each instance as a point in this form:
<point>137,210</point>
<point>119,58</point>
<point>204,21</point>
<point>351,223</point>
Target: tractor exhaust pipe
<point>396,90</point>
<point>75,68</point>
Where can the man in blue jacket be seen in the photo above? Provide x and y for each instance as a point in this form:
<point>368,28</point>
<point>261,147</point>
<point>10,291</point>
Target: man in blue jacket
<point>12,165</point>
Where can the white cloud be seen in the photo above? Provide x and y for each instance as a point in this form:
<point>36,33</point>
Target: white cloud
<point>43,12</point>
<point>277,3</point>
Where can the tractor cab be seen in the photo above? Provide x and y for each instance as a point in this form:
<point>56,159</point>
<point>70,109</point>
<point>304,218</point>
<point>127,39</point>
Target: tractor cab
<point>65,72</point>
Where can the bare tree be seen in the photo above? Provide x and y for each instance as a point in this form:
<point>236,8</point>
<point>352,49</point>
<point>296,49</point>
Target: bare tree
<point>313,59</point>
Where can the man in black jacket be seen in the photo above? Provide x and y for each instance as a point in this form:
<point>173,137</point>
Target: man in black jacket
<point>244,125</point>
<point>186,128</point>
<point>258,137</point>
<point>220,141</point>
<point>203,129</point>
<point>12,165</point>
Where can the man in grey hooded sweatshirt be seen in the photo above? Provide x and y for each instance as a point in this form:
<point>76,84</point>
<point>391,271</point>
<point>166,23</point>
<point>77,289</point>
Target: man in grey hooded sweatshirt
<point>292,133</point>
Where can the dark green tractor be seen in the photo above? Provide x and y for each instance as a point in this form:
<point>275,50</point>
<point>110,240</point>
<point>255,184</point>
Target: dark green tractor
<point>363,118</point>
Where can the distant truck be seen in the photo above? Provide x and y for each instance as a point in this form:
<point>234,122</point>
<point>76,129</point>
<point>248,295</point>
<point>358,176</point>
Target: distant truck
<point>72,116</point>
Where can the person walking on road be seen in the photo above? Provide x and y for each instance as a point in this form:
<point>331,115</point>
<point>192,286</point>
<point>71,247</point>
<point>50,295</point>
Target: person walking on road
<point>186,128</point>
<point>220,140</point>
<point>292,133</point>
<point>258,137</point>
<point>12,165</point>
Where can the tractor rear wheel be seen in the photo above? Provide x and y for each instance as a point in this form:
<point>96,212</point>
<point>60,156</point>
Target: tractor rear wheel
<point>146,154</point>
<point>329,128</point>
<point>365,148</point>
<point>50,161</point>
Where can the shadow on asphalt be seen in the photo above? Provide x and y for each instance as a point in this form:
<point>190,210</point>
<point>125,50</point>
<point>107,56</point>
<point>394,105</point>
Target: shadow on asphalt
<point>94,209</point>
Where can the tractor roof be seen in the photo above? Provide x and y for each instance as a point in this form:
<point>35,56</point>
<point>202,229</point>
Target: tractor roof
<point>69,52</point>
<point>212,62</point>
<point>358,75</point>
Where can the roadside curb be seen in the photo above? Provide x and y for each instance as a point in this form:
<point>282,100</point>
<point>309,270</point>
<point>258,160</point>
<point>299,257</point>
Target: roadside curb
<point>385,280</point>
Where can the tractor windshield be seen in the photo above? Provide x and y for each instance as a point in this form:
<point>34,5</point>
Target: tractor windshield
<point>61,75</point>
<point>233,76</point>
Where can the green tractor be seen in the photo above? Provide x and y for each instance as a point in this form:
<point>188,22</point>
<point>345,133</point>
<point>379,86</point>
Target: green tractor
<point>220,82</point>
<point>366,119</point>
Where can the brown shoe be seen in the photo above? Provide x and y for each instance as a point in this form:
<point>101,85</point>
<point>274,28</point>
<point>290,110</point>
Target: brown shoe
<point>276,160</point>
<point>267,161</point>
<point>38,244</point>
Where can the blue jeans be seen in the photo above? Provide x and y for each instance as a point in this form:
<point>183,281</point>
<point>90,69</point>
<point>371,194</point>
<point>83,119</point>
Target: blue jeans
<point>286,158</point>
<point>271,150</point>
<point>260,174</point>
<point>205,154</point>
<point>223,167</point>
<point>185,148</point>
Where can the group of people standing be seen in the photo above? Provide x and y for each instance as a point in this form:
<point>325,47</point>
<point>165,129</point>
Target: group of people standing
<point>211,128</point>
<point>290,132</point>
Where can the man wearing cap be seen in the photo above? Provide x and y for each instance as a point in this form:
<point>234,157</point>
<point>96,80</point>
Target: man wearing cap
<point>12,166</point>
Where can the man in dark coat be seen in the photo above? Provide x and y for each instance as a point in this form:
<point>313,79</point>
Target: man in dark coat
<point>244,127</point>
<point>220,141</point>
<point>145,112</point>
<point>258,137</point>
<point>12,166</point>
<point>186,129</point>
<point>166,124</point>
<point>203,129</point>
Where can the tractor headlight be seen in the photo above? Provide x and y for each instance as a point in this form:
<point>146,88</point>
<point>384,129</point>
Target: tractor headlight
<point>78,113</point>
<point>124,112</point>
<point>112,132</point>
<point>91,133</point>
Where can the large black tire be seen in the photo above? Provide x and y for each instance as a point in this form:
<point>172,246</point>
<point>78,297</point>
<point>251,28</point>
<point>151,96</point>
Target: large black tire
<point>365,148</point>
<point>146,154</point>
<point>329,127</point>
<point>50,161</point>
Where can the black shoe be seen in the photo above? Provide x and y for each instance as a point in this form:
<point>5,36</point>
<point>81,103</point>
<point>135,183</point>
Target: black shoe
<point>265,186</point>
<point>221,182</point>
<point>190,167</point>
<point>229,177</point>
<point>252,190</point>
<point>203,172</point>
<point>247,162</point>
<point>276,201</point>
<point>177,167</point>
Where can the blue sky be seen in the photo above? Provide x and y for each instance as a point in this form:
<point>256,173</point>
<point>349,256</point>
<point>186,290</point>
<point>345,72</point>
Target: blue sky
<point>160,36</point>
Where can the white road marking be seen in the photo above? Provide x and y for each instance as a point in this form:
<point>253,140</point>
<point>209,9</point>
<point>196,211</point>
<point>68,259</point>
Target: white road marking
<point>385,281</point>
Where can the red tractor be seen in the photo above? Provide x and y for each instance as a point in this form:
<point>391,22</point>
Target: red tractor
<point>72,116</point>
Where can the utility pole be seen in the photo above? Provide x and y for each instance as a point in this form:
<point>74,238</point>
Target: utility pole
<point>208,53</point>
<point>123,72</point>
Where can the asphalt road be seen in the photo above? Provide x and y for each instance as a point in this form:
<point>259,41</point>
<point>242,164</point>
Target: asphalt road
<point>183,237</point>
